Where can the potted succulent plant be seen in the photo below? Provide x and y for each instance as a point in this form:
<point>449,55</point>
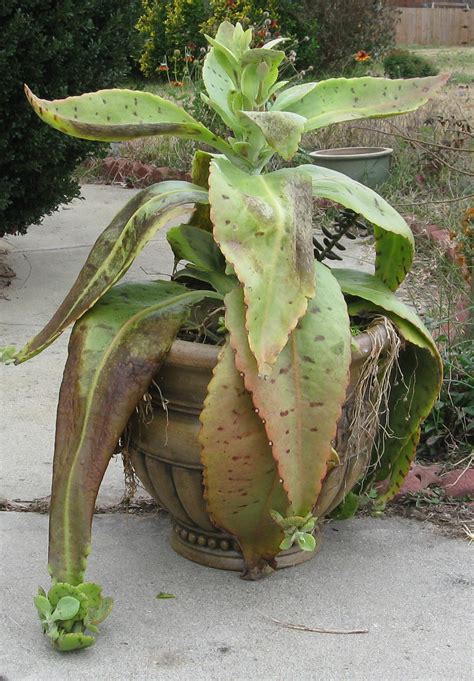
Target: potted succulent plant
<point>269,435</point>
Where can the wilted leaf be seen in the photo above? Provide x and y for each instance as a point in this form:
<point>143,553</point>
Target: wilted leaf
<point>114,351</point>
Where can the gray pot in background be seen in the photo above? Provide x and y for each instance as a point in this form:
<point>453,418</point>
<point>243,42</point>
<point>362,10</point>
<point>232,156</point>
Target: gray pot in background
<point>368,165</point>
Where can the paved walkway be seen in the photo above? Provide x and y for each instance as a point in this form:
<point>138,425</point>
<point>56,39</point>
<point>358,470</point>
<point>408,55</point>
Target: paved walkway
<point>408,586</point>
<point>401,580</point>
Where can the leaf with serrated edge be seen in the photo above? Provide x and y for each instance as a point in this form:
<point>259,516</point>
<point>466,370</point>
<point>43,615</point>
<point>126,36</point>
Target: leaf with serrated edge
<point>345,99</point>
<point>240,477</point>
<point>412,394</point>
<point>395,245</point>
<point>115,250</point>
<point>114,351</point>
<point>115,115</point>
<point>262,224</point>
<point>301,402</point>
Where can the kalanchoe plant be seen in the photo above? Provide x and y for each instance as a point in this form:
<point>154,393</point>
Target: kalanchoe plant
<point>246,236</point>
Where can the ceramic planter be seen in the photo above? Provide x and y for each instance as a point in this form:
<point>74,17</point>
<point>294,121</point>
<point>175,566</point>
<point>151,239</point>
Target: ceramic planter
<point>166,454</point>
<point>368,165</point>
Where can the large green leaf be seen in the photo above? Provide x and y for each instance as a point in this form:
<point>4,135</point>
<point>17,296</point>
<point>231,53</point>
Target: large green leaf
<point>301,402</point>
<point>115,250</point>
<point>241,480</point>
<point>344,99</point>
<point>416,381</point>
<point>395,244</point>
<point>114,115</point>
<point>114,351</point>
<point>262,224</point>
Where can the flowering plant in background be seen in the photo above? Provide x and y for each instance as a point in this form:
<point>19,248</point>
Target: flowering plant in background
<point>362,56</point>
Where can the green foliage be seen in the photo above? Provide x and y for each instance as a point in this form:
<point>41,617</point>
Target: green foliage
<point>347,508</point>
<point>70,614</point>
<point>344,27</point>
<point>448,432</point>
<point>247,12</point>
<point>59,49</point>
<point>406,64</point>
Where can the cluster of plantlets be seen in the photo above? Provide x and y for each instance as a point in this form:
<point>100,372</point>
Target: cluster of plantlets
<point>275,398</point>
<point>68,612</point>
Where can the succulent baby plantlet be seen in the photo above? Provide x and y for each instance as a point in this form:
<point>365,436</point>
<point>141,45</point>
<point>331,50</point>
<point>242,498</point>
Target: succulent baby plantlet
<point>269,421</point>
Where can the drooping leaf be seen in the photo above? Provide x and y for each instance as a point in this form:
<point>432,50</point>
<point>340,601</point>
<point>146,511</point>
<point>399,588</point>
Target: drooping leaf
<point>301,402</point>
<point>282,130</point>
<point>114,252</point>
<point>114,115</point>
<point>197,247</point>
<point>262,224</point>
<point>240,477</point>
<point>416,381</point>
<point>369,288</point>
<point>344,99</point>
<point>114,352</point>
<point>395,244</point>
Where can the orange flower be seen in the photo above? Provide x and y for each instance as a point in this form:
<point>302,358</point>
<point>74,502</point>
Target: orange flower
<point>188,58</point>
<point>177,83</point>
<point>163,67</point>
<point>362,55</point>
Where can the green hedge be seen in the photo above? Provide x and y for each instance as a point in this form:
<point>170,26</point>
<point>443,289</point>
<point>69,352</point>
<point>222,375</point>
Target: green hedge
<point>406,64</point>
<point>58,49</point>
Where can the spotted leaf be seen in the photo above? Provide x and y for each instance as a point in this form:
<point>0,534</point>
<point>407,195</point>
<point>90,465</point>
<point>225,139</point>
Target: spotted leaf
<point>241,481</point>
<point>114,351</point>
<point>345,99</point>
<point>262,224</point>
<point>115,115</point>
<point>395,244</point>
<point>301,403</point>
<point>114,252</point>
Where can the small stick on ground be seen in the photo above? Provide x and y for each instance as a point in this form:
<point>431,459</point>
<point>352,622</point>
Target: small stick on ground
<point>316,630</point>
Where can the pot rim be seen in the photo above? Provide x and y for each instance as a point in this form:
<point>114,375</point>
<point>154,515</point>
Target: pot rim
<point>202,356</point>
<point>351,153</point>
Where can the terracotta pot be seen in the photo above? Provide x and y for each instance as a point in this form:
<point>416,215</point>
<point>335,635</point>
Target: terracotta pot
<point>165,453</point>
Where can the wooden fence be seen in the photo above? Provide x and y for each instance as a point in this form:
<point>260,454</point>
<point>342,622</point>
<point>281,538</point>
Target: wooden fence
<point>435,26</point>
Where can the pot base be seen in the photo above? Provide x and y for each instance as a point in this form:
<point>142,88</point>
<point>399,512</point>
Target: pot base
<point>220,551</point>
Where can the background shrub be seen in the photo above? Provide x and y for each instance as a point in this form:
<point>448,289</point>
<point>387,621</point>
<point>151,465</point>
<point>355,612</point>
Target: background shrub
<point>58,49</point>
<point>406,64</point>
<point>346,26</point>
<point>170,25</point>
